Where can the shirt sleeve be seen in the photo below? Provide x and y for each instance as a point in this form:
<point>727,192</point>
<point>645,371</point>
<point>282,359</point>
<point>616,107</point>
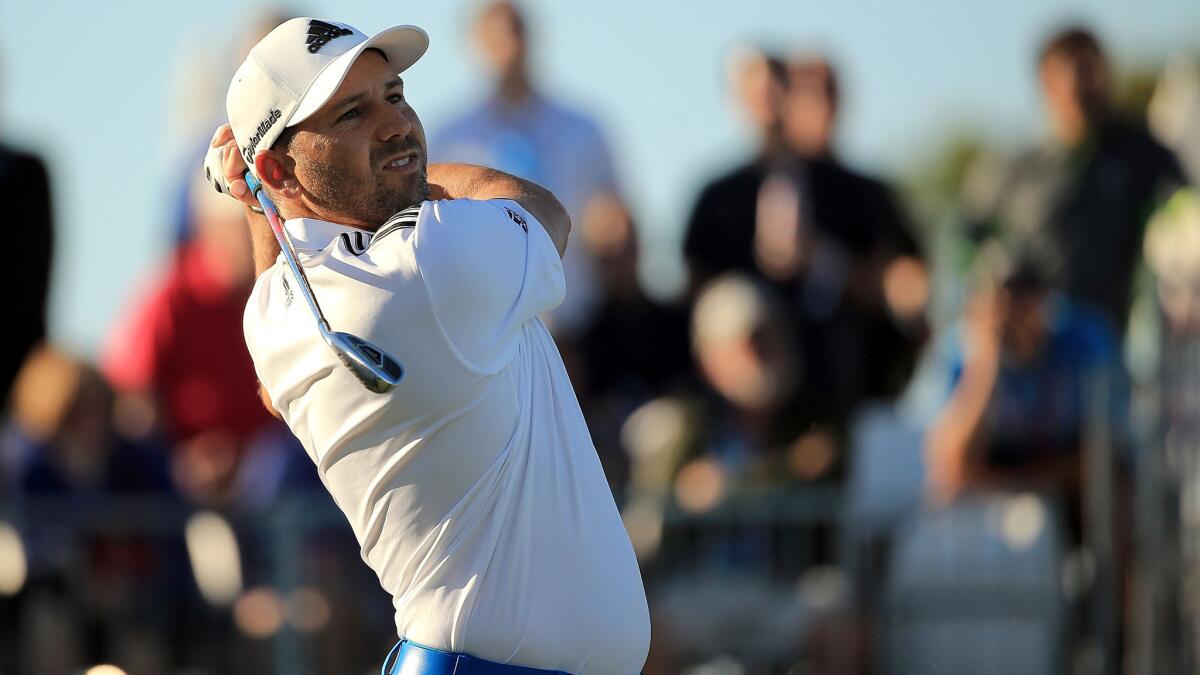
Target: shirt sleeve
<point>489,267</point>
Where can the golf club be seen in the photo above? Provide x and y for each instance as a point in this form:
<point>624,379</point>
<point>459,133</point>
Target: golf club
<point>375,368</point>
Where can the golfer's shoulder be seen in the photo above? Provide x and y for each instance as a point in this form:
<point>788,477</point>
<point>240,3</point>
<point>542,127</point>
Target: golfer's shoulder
<point>482,248</point>
<point>473,212</point>
<point>425,225</point>
<point>403,221</point>
<point>478,255</point>
<point>470,231</point>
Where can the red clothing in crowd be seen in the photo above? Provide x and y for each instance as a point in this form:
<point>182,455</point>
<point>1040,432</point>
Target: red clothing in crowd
<point>182,343</point>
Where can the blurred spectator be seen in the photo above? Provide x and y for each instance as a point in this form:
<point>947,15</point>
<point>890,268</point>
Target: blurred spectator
<point>1173,112</point>
<point>832,241</point>
<point>25,190</point>
<point>636,345</point>
<point>1172,249</point>
<point>635,348</point>
<point>1080,200</point>
<point>1025,366</point>
<point>64,408</point>
<point>1040,402</point>
<point>721,225</point>
<point>179,360</point>
<point>520,130</point>
<point>730,589</point>
<point>757,423</point>
<point>847,249</point>
<point>76,464</point>
<point>765,425</point>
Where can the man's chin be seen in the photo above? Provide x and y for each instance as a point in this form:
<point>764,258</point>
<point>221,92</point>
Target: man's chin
<point>394,199</point>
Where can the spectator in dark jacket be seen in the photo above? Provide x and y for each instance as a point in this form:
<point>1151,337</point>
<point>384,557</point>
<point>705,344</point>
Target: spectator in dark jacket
<point>25,191</point>
<point>1080,200</point>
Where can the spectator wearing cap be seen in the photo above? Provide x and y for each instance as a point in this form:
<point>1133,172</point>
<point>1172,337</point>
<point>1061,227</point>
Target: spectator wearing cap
<point>756,429</point>
<point>764,423</point>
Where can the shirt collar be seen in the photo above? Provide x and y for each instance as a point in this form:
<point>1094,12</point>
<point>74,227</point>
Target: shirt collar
<point>310,234</point>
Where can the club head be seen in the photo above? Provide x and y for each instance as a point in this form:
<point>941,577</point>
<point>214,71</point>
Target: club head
<point>375,368</point>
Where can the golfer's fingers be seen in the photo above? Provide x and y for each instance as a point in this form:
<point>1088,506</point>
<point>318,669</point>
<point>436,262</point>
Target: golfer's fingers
<point>234,168</point>
<point>221,136</point>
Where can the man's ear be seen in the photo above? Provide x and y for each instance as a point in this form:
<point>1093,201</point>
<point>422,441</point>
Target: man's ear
<point>277,173</point>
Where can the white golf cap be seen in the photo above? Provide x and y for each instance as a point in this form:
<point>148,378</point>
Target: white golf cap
<point>294,70</point>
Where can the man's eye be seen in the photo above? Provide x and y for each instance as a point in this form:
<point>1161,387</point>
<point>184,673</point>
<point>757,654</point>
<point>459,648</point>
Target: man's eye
<point>348,115</point>
<point>396,98</point>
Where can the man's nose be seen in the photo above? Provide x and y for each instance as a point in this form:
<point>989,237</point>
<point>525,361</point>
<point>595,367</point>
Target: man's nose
<point>395,123</point>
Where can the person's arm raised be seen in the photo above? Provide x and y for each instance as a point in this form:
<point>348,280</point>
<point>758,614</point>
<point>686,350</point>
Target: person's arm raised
<point>963,428</point>
<point>467,181</point>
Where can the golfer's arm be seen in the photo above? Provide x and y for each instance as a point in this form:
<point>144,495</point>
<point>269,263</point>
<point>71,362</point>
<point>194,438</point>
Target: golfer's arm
<point>467,181</point>
<point>265,250</point>
<point>262,242</point>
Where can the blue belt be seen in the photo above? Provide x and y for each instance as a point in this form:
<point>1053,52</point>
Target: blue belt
<point>413,659</point>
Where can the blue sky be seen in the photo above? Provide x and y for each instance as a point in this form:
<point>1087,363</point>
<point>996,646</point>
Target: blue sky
<point>100,91</point>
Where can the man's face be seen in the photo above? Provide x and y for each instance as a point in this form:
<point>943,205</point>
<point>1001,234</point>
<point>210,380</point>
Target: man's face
<point>1023,323</point>
<point>1072,87</point>
<point>500,38</point>
<point>758,93</point>
<point>809,114</point>
<point>362,157</point>
<point>1058,80</point>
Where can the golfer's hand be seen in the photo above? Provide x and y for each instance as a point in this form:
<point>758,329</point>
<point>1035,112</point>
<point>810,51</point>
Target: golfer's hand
<point>224,167</point>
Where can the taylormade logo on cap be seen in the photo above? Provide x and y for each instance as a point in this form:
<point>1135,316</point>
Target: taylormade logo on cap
<point>263,127</point>
<point>293,71</point>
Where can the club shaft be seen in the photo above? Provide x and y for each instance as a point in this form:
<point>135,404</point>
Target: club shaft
<point>285,246</point>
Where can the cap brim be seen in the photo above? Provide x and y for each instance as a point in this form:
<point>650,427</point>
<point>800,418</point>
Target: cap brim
<point>402,45</point>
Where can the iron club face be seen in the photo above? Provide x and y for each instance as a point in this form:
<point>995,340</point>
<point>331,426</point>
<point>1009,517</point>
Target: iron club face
<point>374,368</point>
<point>377,370</point>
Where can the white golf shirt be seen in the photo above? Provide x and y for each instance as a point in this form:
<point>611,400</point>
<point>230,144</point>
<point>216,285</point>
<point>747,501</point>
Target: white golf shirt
<point>473,486</point>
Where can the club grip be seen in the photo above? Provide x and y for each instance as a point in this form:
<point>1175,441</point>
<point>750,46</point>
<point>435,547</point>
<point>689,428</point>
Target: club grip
<point>264,200</point>
<point>253,183</point>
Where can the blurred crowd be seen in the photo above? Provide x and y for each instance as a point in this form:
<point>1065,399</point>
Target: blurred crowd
<point>856,420</point>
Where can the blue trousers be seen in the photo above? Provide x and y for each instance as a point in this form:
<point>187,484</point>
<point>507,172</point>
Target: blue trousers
<point>413,659</point>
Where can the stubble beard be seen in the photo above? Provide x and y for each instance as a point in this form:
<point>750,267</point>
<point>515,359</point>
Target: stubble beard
<point>340,193</point>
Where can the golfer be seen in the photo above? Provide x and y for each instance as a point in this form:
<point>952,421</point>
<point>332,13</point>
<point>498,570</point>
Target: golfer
<point>472,486</point>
